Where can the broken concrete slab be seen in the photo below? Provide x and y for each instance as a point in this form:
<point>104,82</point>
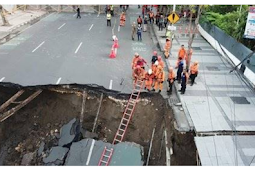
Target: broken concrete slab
<point>69,133</point>
<point>89,151</point>
<point>56,156</point>
<point>27,158</point>
<point>88,134</point>
<point>41,148</point>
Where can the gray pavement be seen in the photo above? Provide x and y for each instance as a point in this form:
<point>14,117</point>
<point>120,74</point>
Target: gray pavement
<point>45,53</point>
<point>219,101</point>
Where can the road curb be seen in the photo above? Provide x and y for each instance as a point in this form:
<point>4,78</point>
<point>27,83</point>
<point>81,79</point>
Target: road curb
<point>15,28</point>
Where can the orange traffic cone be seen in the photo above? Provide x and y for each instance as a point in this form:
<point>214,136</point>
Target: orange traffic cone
<point>116,43</point>
<point>113,54</point>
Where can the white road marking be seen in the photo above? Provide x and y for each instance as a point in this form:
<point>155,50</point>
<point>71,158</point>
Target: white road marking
<point>61,26</point>
<point>119,29</point>
<point>59,79</point>
<point>110,86</point>
<point>90,151</point>
<point>38,46</point>
<point>2,79</point>
<point>78,48</point>
<point>91,27</point>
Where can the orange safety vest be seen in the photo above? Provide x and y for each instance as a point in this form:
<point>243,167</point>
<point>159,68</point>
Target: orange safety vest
<point>194,69</point>
<point>182,53</point>
<point>154,69</point>
<point>134,62</point>
<point>161,63</point>
<point>151,14</point>
<point>149,77</point>
<point>160,76</point>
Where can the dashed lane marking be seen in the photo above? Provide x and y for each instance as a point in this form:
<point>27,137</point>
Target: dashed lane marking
<point>2,79</point>
<point>59,79</point>
<point>78,48</point>
<point>110,86</point>
<point>91,27</point>
<point>119,29</point>
<point>38,46</point>
<point>61,26</point>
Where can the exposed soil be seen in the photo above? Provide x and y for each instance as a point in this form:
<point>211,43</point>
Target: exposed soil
<point>56,105</point>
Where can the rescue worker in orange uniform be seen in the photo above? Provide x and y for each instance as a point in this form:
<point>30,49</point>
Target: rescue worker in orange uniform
<point>134,61</point>
<point>161,62</point>
<point>122,19</point>
<point>154,72</point>
<point>188,58</point>
<point>151,17</point>
<point>160,78</point>
<point>148,79</point>
<point>138,73</point>
<point>193,72</point>
<point>141,62</point>
<point>167,47</point>
<point>181,53</point>
<point>171,78</point>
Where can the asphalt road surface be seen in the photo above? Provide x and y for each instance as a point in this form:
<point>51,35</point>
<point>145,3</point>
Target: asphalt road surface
<point>61,49</point>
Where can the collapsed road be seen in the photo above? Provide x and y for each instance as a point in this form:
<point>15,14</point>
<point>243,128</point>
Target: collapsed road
<point>47,130</point>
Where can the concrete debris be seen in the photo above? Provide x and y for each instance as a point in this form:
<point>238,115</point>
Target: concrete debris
<point>118,101</point>
<point>69,133</point>
<point>145,101</point>
<point>88,152</point>
<point>56,156</point>
<point>87,134</point>
<point>41,148</point>
<point>27,158</point>
<point>178,104</point>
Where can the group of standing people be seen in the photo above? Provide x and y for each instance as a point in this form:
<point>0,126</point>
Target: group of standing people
<point>154,77</point>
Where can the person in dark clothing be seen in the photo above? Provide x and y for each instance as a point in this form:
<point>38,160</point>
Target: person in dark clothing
<point>157,18</point>
<point>184,78</point>
<point>165,21</point>
<point>160,23</point>
<point>139,32</point>
<point>179,71</point>
<point>78,13</point>
<point>154,57</point>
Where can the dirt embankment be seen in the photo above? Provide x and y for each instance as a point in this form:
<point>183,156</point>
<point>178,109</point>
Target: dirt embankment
<point>39,120</point>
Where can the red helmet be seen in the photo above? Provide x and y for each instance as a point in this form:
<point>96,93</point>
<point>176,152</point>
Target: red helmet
<point>138,66</point>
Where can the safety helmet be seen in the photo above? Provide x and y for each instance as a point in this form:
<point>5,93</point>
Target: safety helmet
<point>159,57</point>
<point>196,62</point>
<point>150,71</point>
<point>160,67</point>
<point>155,53</point>
<point>171,68</point>
<point>156,63</point>
<point>114,37</point>
<point>136,54</point>
<point>138,66</point>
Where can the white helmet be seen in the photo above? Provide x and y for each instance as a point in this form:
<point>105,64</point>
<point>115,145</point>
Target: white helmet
<point>156,63</point>
<point>136,54</point>
<point>114,37</point>
<point>150,71</point>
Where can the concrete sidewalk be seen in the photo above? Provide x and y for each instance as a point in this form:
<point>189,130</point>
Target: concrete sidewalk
<point>18,19</point>
<point>219,101</point>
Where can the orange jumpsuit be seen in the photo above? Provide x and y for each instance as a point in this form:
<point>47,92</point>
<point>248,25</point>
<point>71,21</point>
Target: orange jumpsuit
<point>167,48</point>
<point>194,69</point>
<point>171,76</point>
<point>134,62</point>
<point>122,19</point>
<point>154,72</point>
<point>138,73</point>
<point>161,63</point>
<point>148,80</point>
<point>182,53</point>
<point>160,78</point>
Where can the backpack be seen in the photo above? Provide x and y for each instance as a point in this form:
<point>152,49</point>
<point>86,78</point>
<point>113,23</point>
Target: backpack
<point>139,29</point>
<point>139,20</point>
